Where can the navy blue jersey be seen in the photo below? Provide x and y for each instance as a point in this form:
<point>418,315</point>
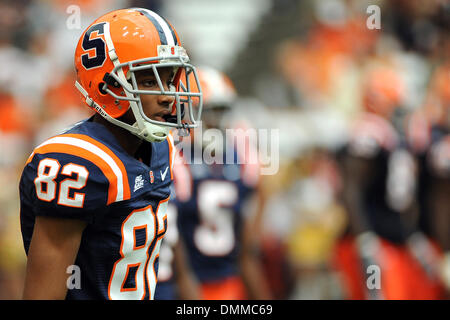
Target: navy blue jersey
<point>209,200</point>
<point>84,174</point>
<point>166,288</point>
<point>390,189</point>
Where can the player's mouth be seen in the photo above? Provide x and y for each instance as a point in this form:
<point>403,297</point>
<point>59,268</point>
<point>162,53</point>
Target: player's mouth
<point>161,116</point>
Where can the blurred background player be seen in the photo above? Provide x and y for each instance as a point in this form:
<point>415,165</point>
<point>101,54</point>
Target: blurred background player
<point>428,134</point>
<point>380,186</point>
<point>216,201</point>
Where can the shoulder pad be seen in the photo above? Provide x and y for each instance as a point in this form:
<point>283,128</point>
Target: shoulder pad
<point>82,150</point>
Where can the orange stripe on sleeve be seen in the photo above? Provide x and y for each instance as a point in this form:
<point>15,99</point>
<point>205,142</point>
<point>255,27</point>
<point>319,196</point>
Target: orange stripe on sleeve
<point>80,152</point>
<point>171,153</point>
<point>126,185</point>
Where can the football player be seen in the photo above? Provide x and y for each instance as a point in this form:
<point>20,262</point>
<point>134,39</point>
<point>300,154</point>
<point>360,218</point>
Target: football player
<point>429,137</point>
<point>380,185</point>
<point>213,196</point>
<point>94,199</point>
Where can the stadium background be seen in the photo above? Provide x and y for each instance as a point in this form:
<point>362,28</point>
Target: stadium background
<point>297,66</point>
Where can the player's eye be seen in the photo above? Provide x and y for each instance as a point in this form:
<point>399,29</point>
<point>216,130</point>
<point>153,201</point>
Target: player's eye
<point>149,83</point>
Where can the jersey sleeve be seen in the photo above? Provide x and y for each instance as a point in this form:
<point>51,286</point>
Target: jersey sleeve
<point>64,185</point>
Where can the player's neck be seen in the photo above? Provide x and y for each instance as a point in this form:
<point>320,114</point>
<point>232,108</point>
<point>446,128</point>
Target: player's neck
<point>129,142</point>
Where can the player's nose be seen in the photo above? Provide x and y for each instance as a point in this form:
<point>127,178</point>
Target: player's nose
<point>164,99</point>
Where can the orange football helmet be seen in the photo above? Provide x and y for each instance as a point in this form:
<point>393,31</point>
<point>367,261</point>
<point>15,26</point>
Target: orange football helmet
<point>383,91</point>
<point>125,41</point>
<point>219,96</point>
<point>218,90</point>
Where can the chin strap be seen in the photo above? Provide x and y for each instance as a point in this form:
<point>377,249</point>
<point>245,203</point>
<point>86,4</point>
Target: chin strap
<point>88,100</point>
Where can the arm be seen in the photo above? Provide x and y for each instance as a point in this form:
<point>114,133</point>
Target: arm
<point>250,265</point>
<point>53,248</point>
<point>440,191</point>
<point>440,225</point>
<point>251,271</point>
<point>188,288</point>
<point>356,172</point>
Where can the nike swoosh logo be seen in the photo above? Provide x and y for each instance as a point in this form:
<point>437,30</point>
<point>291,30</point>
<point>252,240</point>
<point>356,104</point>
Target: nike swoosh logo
<point>163,175</point>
